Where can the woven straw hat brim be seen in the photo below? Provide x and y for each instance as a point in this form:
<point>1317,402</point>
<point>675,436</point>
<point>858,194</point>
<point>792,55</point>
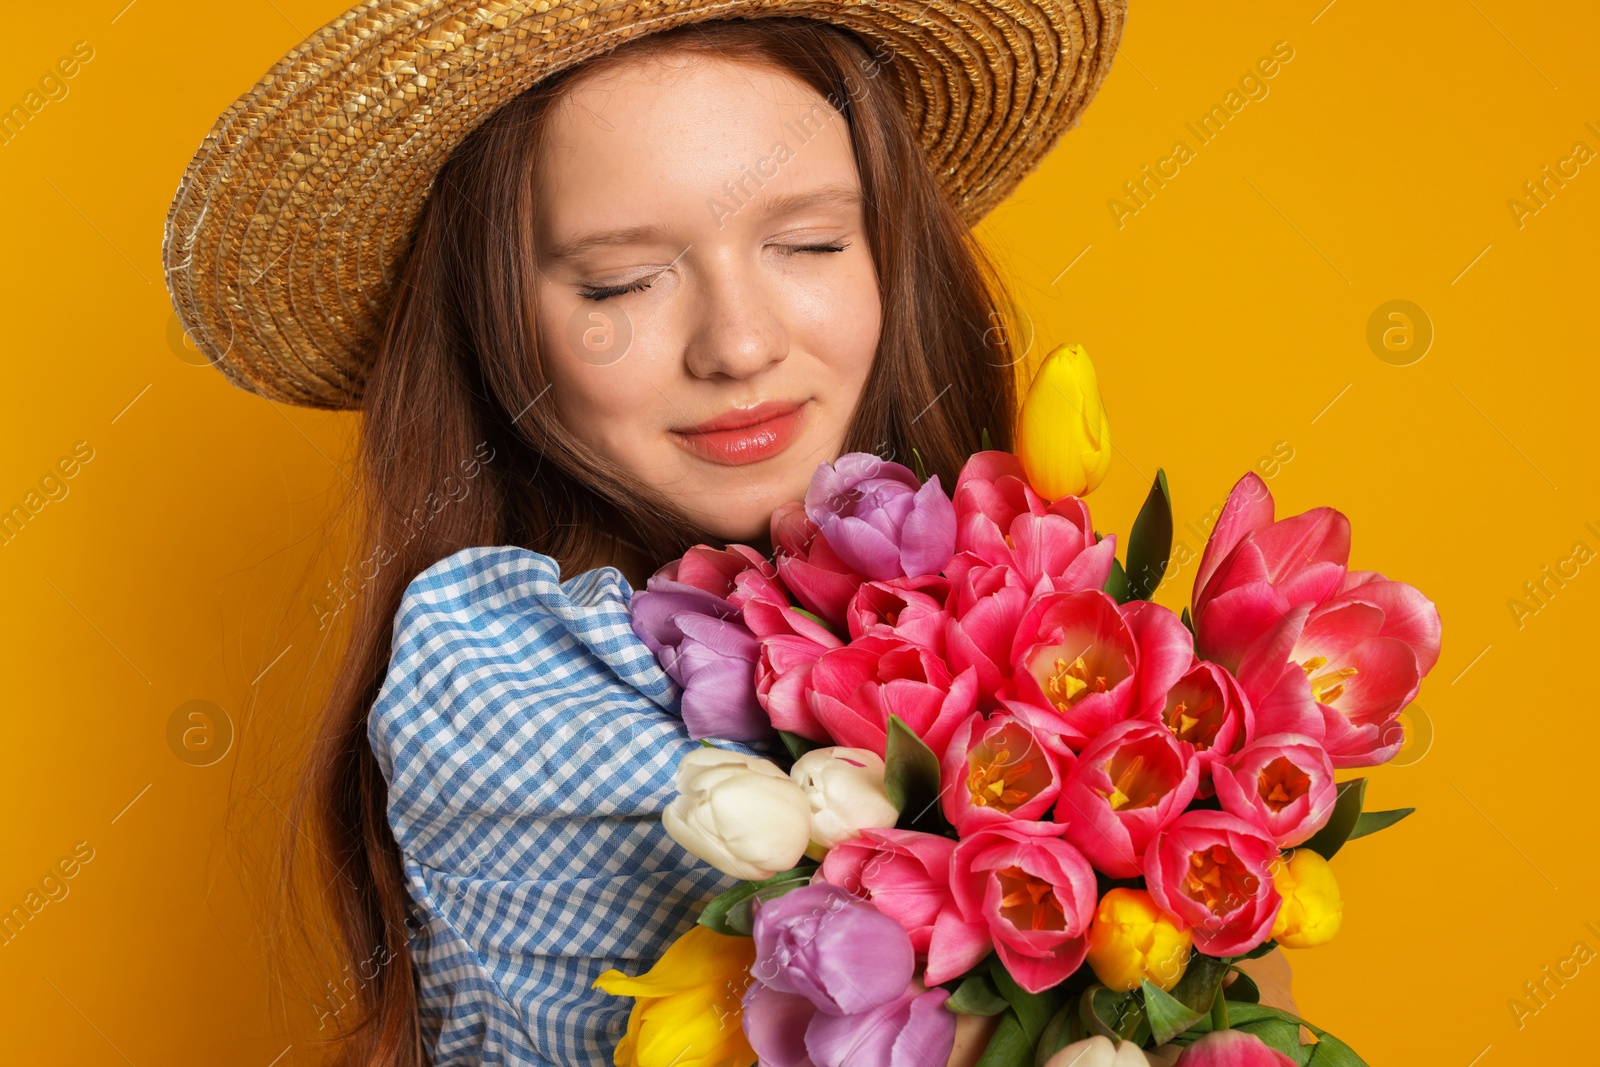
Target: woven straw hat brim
<point>290,223</point>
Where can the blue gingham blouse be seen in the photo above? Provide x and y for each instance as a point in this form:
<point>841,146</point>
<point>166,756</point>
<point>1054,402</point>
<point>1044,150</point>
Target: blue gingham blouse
<point>530,740</point>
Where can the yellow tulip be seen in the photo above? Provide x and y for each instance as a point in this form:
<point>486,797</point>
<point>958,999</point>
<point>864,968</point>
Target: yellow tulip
<point>1312,907</point>
<point>1063,437</point>
<point>1132,939</point>
<point>686,1011</point>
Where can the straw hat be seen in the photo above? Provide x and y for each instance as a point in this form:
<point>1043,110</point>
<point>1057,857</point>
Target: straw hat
<point>293,216</point>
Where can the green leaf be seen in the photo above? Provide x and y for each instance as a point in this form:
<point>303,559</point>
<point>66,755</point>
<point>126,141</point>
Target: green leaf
<point>1183,616</point>
<point>1150,541</point>
<point>798,746</point>
<point>911,778</point>
<point>976,996</point>
<point>922,471</point>
<point>1117,582</point>
<point>1201,980</point>
<point>987,445</point>
<point>1009,1046</point>
<point>1219,1012</point>
<point>1373,821</point>
<point>1057,1034</point>
<point>1243,988</point>
<point>1109,1013</point>
<point>1189,1001</point>
<point>1168,1017</point>
<point>1033,1009</point>
<point>1281,1030</point>
<point>1346,813</point>
<point>731,912</point>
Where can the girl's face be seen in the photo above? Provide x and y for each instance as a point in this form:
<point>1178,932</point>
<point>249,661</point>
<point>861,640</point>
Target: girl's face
<point>708,305</point>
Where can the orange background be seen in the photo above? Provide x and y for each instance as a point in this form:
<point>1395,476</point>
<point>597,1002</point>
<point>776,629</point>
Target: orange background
<point>1228,317</point>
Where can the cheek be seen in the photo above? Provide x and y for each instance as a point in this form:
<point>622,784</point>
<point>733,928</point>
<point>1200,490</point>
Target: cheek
<point>842,319</point>
<point>612,403</point>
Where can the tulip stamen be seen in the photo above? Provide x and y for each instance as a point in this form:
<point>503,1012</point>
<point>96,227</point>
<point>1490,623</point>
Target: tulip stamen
<point>1329,685</point>
<point>1071,682</point>
<point>1217,879</point>
<point>1127,784</point>
<point>994,783</point>
<point>1199,727</point>
<point>1281,783</point>
<point>1033,901</point>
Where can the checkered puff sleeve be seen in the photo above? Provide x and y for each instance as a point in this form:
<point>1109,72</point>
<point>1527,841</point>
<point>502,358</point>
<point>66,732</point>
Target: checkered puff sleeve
<point>529,740</point>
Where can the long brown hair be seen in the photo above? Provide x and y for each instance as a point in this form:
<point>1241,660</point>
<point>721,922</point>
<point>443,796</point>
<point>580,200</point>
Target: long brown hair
<point>456,450</point>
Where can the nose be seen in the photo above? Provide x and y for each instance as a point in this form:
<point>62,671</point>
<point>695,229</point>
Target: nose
<point>738,332</point>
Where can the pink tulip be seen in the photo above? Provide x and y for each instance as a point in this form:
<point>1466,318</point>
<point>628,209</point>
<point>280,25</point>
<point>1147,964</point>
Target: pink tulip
<point>1002,520</point>
<point>783,684</point>
<point>997,770</point>
<point>1254,569</point>
<point>1407,615</point>
<point>1274,685</point>
<point>906,874</point>
<point>1282,784</point>
<point>1364,653</point>
<point>1035,894</point>
<point>819,579</point>
<point>790,642</point>
<point>912,609</point>
<point>987,603</point>
<point>854,689</point>
<point>1130,782</point>
<point>1208,712</point>
<point>1211,871</point>
<point>1080,662</point>
<point>1231,1048</point>
<point>713,570</point>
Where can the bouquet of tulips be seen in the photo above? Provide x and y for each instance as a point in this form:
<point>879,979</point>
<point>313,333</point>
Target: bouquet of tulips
<point>1004,781</point>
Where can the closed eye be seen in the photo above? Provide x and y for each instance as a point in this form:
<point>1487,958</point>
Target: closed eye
<point>606,292</point>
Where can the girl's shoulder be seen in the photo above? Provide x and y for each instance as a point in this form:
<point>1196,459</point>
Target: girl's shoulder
<point>495,654</point>
<point>514,599</point>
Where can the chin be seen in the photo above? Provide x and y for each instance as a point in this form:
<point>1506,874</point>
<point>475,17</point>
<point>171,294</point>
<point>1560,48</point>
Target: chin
<point>748,522</point>
<point>744,530</point>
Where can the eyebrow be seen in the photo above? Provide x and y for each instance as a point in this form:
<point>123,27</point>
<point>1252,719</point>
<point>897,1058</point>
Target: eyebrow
<point>831,195</point>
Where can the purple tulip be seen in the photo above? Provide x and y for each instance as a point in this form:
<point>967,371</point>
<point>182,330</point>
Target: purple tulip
<point>913,1030</point>
<point>833,987</point>
<point>879,520</point>
<point>702,642</point>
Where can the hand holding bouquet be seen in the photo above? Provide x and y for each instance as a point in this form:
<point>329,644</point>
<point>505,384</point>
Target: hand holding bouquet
<point>1015,786</point>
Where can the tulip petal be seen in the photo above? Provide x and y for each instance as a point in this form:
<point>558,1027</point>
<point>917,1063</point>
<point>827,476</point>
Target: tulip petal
<point>956,947</point>
<point>1321,535</point>
<point>928,538</point>
<point>866,550</point>
<point>929,1033</point>
<point>853,1040</point>
<point>1408,615</point>
<point>1249,507</point>
<point>776,1025</point>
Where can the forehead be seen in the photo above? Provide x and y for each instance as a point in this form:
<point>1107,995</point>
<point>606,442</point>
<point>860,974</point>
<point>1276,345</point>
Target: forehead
<point>675,130</point>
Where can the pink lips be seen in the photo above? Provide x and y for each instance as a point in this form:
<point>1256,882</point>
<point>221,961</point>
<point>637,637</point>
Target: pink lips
<point>745,435</point>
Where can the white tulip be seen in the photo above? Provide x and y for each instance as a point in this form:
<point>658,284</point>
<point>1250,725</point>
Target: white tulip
<point>1098,1051</point>
<point>845,789</point>
<point>739,813</point>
